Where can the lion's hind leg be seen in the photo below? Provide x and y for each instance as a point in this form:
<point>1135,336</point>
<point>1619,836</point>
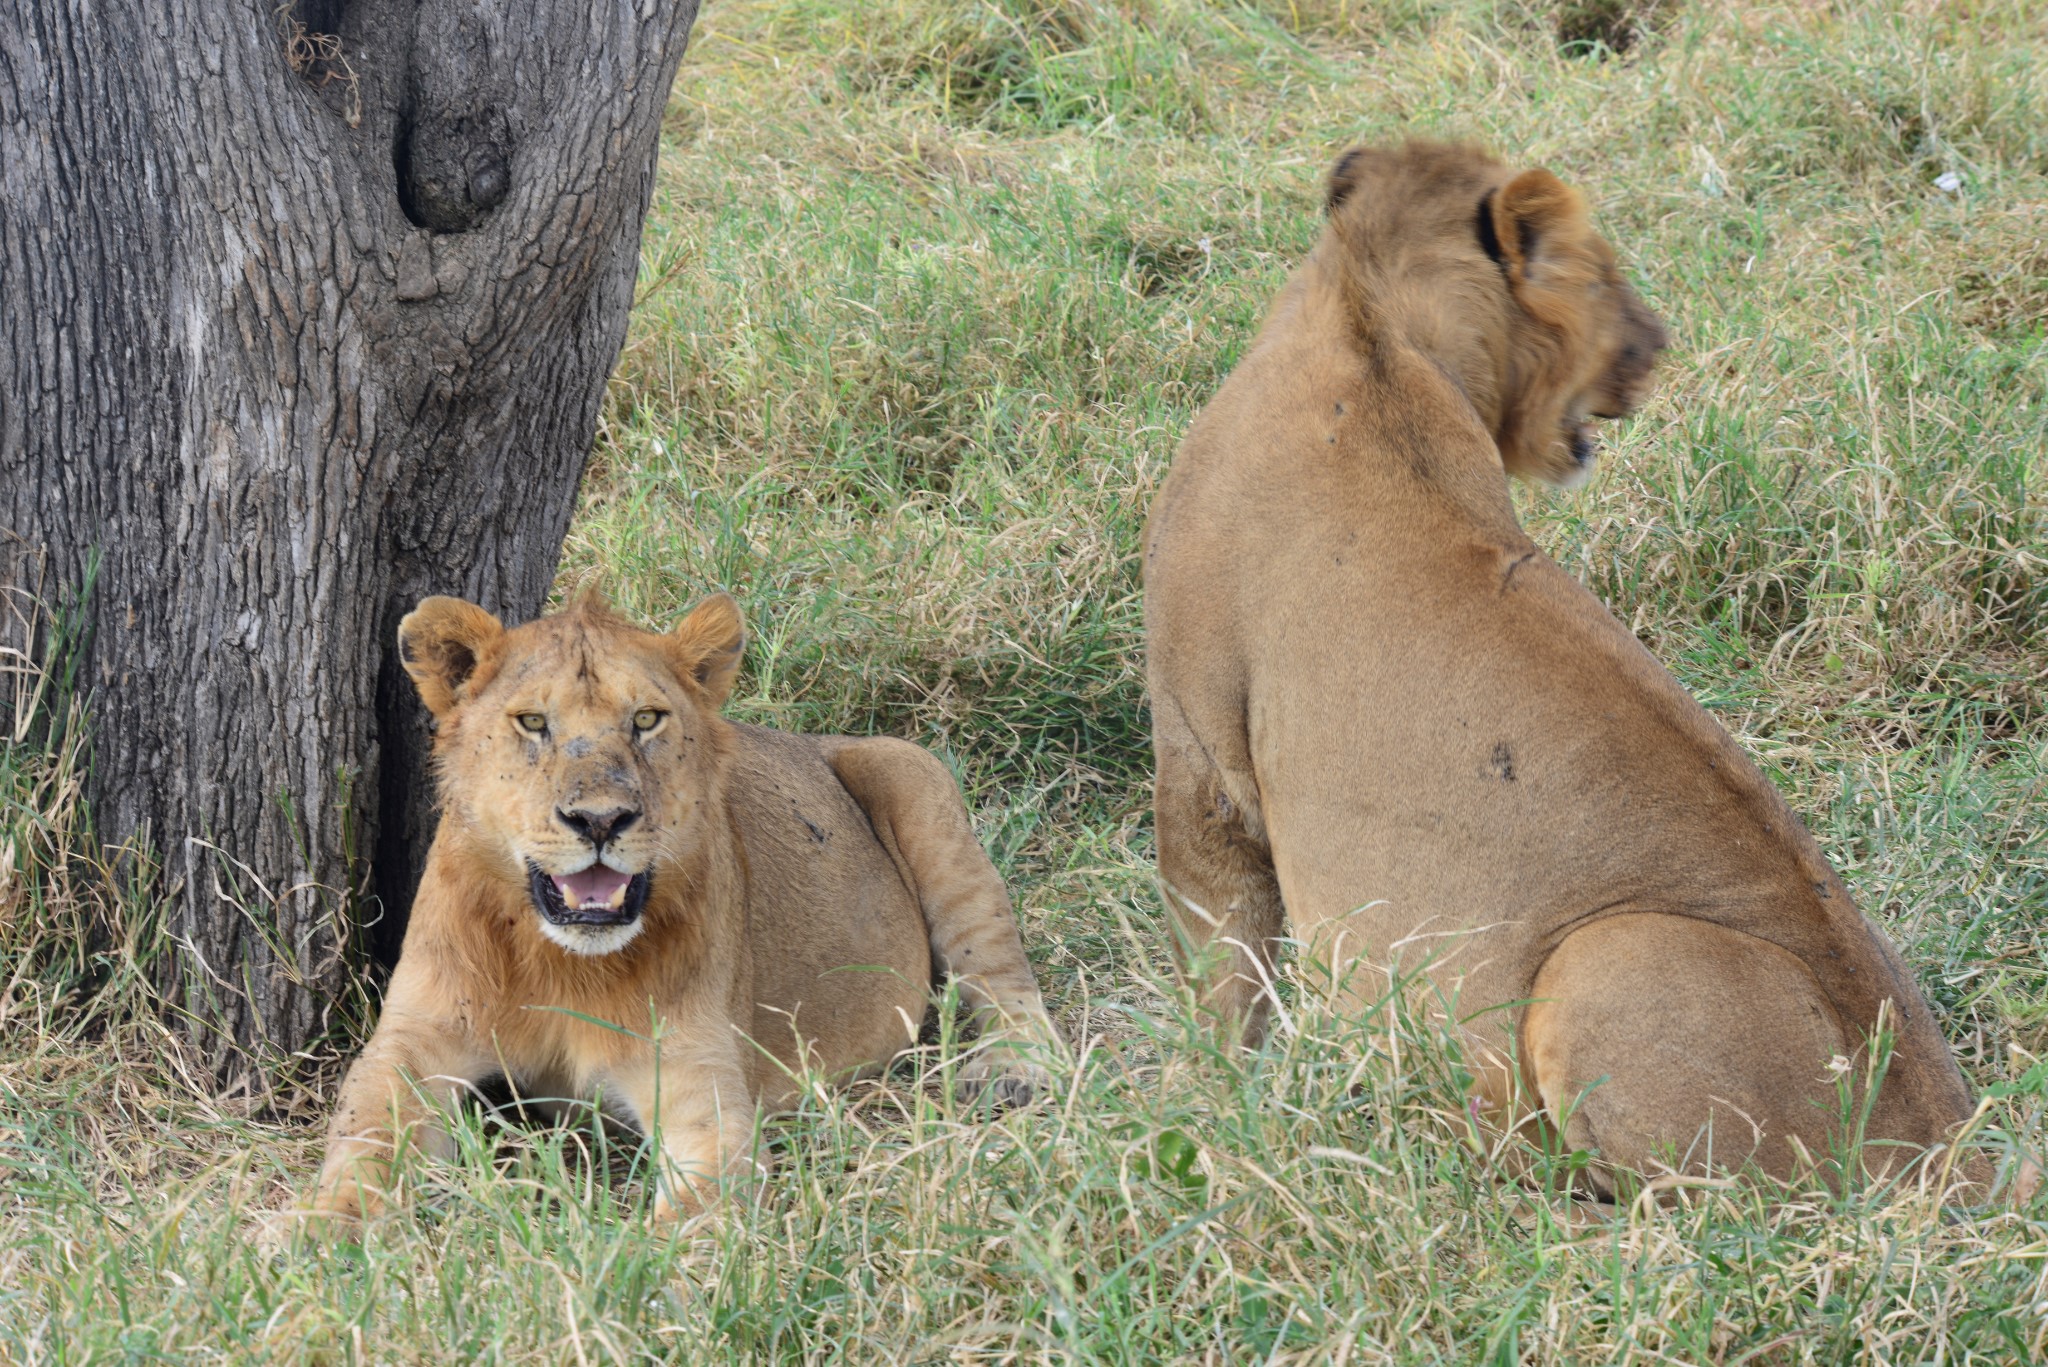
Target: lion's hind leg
<point>1666,1044</point>
<point>1220,889</point>
<point>915,807</point>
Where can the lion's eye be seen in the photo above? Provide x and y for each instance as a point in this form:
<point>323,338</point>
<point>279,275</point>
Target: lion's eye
<point>533,723</point>
<point>646,719</point>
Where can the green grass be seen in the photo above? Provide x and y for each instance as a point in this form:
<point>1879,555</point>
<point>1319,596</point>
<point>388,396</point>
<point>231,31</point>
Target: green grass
<point>930,292</point>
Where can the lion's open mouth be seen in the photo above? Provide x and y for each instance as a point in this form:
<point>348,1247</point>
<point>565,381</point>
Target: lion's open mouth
<point>598,896</point>
<point>1583,441</point>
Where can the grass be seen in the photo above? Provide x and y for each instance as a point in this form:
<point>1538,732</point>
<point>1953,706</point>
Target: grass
<point>930,291</point>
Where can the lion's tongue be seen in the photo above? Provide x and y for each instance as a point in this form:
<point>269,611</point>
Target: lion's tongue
<point>596,886</point>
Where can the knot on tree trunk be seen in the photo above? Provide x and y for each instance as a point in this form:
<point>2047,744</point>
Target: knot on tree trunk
<point>453,167</point>
<point>454,139</point>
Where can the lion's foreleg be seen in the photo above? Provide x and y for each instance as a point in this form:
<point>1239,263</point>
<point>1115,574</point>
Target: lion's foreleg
<point>916,810</point>
<point>391,1101</point>
<point>694,1099</point>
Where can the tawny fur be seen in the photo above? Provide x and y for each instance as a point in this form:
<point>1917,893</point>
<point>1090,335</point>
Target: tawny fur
<point>1386,720</point>
<point>803,892</point>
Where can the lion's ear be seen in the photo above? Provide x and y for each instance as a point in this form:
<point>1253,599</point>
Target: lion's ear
<point>1344,178</point>
<point>709,643</point>
<point>440,642</point>
<point>1538,227</point>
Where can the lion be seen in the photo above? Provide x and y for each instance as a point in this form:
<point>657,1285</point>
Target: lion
<point>1384,718</point>
<point>631,898</point>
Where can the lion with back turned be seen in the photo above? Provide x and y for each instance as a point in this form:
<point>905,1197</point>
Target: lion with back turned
<point>630,896</point>
<point>1387,724</point>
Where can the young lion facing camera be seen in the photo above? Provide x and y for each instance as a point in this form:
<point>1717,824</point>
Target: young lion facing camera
<point>743,904</point>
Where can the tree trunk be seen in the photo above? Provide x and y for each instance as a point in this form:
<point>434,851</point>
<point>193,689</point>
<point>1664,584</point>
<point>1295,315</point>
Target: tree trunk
<point>304,314</point>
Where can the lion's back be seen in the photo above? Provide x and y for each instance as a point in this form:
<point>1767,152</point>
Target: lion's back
<point>836,935</point>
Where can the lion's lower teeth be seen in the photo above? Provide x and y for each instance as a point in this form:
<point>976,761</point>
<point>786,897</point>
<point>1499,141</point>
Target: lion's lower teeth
<point>618,899</point>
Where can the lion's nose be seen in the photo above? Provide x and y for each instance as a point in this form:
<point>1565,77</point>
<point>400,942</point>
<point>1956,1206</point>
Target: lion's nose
<point>597,827</point>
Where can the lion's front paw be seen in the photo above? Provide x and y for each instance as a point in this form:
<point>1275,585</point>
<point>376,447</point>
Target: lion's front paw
<point>688,1190</point>
<point>1001,1076</point>
<point>355,1185</point>
<point>319,1227</point>
<point>680,1201</point>
<point>337,1212</point>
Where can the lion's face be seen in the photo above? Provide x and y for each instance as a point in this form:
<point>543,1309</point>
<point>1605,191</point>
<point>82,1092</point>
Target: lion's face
<point>1502,278</point>
<point>580,754</point>
<point>1586,352</point>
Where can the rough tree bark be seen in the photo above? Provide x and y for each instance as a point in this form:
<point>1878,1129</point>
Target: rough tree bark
<point>304,313</point>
